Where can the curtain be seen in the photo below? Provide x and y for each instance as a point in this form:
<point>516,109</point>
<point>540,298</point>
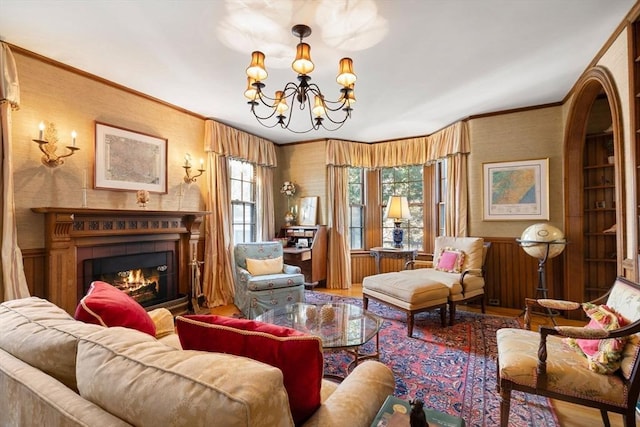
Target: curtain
<point>264,199</point>
<point>14,282</point>
<point>456,218</point>
<point>339,269</point>
<point>217,279</point>
<point>450,144</point>
<point>222,143</point>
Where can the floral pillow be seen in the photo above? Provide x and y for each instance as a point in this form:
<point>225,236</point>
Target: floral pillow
<point>450,260</point>
<point>603,356</point>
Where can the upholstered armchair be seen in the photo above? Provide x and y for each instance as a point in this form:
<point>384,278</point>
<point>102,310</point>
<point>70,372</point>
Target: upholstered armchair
<point>262,280</point>
<point>596,366</point>
<point>458,263</point>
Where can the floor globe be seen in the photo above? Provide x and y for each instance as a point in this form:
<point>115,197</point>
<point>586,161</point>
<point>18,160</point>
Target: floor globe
<point>535,241</point>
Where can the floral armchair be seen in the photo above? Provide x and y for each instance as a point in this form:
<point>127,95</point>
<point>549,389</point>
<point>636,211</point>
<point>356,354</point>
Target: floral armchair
<point>603,373</point>
<point>262,280</point>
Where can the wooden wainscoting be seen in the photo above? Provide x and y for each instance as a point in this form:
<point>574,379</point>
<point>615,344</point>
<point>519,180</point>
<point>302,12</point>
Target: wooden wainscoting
<point>33,260</point>
<point>511,274</point>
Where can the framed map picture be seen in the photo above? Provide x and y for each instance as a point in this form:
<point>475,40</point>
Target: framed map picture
<point>128,160</point>
<point>516,190</point>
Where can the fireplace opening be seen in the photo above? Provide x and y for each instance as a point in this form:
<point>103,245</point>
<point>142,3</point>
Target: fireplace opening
<point>148,278</point>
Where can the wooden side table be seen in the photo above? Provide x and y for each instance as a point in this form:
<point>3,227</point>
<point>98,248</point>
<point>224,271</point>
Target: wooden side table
<point>379,252</point>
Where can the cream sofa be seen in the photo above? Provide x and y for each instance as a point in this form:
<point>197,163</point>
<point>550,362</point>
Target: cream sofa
<point>57,371</point>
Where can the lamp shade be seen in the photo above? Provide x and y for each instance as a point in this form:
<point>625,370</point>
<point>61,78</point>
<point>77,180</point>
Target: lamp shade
<point>303,64</point>
<point>345,72</point>
<point>397,208</point>
<point>256,68</point>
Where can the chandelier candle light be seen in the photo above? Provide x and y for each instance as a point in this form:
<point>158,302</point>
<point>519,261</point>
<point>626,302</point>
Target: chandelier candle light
<point>300,93</point>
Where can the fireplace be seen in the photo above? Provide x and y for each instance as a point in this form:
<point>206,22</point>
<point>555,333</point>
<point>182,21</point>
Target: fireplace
<point>83,245</point>
<point>148,278</point>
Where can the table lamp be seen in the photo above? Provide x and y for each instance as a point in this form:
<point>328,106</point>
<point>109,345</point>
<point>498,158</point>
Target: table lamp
<point>397,209</point>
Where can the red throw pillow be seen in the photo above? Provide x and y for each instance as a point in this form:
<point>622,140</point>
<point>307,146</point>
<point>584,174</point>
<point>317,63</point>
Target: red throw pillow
<point>108,306</point>
<point>297,355</point>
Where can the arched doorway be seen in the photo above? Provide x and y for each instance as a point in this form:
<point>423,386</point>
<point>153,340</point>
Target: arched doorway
<point>594,188</point>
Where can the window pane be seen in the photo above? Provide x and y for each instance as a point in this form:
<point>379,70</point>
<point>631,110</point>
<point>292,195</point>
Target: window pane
<point>404,181</point>
<point>356,207</point>
<point>243,208</point>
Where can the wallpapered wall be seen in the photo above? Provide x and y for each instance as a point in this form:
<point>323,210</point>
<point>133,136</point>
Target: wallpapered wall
<point>74,102</point>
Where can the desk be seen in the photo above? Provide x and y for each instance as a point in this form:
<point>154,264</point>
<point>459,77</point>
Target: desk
<point>406,254</point>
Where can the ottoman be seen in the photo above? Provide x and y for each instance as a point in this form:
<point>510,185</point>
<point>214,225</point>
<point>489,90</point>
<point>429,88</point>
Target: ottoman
<point>409,291</point>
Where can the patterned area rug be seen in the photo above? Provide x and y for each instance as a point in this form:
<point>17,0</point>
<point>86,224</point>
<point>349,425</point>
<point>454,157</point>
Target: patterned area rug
<point>451,369</point>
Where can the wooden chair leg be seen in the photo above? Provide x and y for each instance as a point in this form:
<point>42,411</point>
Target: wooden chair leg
<point>629,419</point>
<point>409,324</point>
<point>443,316</point>
<point>452,313</point>
<point>605,418</point>
<point>505,406</point>
<point>365,302</point>
<point>482,305</point>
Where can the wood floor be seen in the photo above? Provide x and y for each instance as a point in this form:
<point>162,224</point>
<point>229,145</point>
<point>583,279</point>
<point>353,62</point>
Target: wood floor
<point>569,415</point>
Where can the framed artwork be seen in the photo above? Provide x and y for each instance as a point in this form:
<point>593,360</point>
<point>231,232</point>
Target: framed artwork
<point>128,160</point>
<point>308,210</point>
<point>516,190</point>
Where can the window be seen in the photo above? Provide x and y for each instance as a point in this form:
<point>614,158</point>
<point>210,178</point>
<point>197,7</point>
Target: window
<point>243,201</point>
<point>404,181</point>
<point>356,207</point>
<point>441,195</point>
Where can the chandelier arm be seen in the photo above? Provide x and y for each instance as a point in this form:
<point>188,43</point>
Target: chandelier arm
<point>261,118</point>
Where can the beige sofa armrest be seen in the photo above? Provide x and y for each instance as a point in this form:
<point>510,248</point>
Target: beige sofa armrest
<point>356,401</point>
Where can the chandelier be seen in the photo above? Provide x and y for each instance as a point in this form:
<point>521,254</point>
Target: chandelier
<point>330,115</point>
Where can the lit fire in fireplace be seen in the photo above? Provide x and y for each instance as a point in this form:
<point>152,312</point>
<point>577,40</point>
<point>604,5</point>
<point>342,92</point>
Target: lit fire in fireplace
<point>136,285</point>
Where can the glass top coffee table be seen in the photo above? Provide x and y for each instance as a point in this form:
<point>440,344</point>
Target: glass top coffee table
<point>341,326</point>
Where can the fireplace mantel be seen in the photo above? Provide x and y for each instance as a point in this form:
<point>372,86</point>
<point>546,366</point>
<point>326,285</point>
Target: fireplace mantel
<point>69,231</point>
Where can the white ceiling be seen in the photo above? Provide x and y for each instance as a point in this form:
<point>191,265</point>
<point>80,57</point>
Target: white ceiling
<point>421,64</point>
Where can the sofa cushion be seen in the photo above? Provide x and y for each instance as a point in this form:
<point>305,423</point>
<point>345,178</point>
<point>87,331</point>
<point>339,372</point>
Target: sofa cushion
<point>163,322</point>
<point>107,305</point>
<point>146,383</point>
<point>259,267</point>
<point>43,335</point>
<point>297,355</point>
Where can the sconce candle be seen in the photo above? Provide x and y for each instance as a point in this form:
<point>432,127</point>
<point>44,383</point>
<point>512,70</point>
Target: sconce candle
<point>41,134</point>
<point>73,138</point>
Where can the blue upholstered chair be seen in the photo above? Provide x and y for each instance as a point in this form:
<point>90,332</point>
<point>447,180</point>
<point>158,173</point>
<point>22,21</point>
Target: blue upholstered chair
<point>262,280</point>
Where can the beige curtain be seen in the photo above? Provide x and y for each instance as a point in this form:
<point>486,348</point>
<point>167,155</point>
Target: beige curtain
<point>339,271</point>
<point>224,142</point>
<point>14,282</point>
<point>451,143</point>
<point>266,219</point>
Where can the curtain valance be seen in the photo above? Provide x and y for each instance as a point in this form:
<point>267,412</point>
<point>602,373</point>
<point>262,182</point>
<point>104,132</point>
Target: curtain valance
<point>9,86</point>
<point>230,142</point>
<point>449,141</point>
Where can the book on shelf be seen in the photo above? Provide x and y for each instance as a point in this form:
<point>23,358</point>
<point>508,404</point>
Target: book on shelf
<point>395,413</point>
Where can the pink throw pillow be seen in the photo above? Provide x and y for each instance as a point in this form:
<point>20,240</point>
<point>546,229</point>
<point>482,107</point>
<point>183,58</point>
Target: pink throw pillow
<point>450,260</point>
<point>297,355</point>
<point>108,306</point>
<point>603,356</point>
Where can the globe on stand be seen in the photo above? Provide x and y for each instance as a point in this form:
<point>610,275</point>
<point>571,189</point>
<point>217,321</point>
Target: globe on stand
<point>542,241</point>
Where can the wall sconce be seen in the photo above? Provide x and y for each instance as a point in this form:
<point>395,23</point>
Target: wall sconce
<point>47,143</point>
<point>188,178</point>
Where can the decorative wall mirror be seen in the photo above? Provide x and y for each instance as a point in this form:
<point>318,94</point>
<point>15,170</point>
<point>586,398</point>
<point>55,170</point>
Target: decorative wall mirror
<point>308,210</point>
